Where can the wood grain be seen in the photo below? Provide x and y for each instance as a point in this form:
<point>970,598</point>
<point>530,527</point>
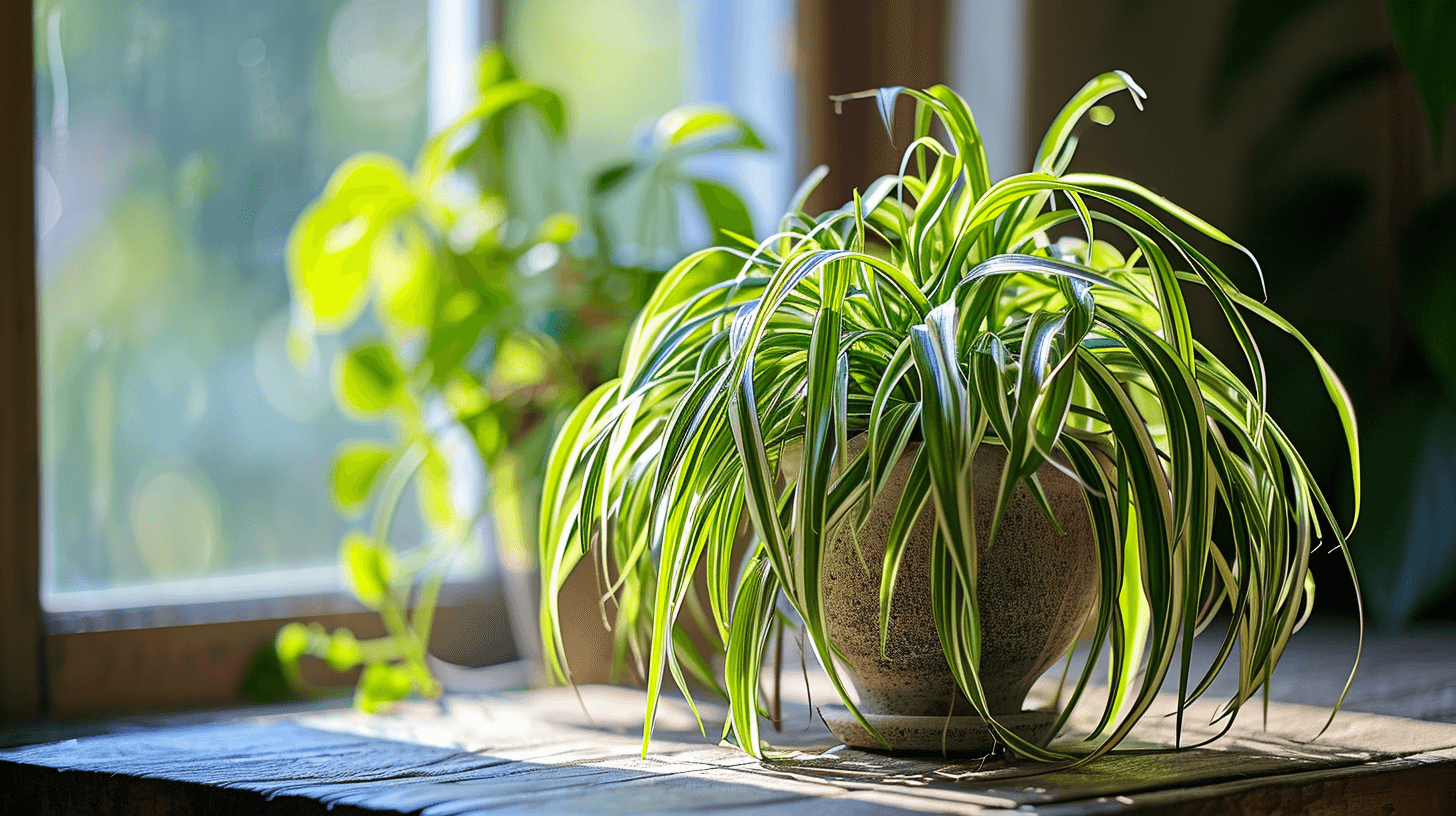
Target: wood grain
<point>539,752</point>
<point>20,621</point>
<point>1417,786</point>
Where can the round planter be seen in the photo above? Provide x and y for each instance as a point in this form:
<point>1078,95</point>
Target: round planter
<point>1035,588</point>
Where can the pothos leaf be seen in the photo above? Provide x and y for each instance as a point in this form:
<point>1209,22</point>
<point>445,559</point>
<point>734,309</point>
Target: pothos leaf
<point>725,211</point>
<point>381,686</point>
<point>355,470</point>
<point>368,568</point>
<point>368,380</point>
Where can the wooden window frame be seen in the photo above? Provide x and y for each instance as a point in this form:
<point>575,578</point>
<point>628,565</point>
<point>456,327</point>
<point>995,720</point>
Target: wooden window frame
<point>21,688</point>
<point>855,45</point>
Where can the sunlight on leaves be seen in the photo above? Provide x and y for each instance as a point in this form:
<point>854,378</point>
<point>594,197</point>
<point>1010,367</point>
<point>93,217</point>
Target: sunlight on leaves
<point>368,568</point>
<point>368,380</point>
<point>355,471</point>
<point>953,312</point>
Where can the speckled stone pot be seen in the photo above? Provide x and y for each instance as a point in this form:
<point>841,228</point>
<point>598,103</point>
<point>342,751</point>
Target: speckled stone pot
<point>1035,587</point>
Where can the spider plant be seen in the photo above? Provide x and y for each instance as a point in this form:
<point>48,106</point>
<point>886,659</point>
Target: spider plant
<point>936,307</point>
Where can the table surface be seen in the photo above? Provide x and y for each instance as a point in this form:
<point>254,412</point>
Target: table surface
<point>1392,750</point>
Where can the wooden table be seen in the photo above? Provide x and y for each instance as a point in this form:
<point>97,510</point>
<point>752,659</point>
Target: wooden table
<point>537,752</point>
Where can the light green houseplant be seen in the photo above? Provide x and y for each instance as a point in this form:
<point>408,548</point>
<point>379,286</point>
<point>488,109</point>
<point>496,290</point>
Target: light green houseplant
<point>488,322</point>
<point>938,309</point>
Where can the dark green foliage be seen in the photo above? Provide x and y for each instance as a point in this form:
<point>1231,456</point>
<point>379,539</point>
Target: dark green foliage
<point>1312,225</point>
<point>1423,30</point>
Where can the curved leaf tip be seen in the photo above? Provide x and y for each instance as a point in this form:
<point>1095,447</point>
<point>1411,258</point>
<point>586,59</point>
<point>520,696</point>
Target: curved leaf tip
<point>1134,90</point>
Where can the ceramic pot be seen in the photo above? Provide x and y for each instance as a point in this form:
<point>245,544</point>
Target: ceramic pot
<point>1036,587</point>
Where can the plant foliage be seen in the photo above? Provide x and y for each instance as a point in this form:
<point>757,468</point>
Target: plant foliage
<point>937,307</point>
<point>488,325</point>
<point>1304,213</point>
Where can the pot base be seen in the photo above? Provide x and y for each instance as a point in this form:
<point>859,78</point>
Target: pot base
<point>934,735</point>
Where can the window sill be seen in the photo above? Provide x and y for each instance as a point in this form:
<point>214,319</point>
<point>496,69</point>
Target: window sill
<point>538,751</point>
<point>191,656</point>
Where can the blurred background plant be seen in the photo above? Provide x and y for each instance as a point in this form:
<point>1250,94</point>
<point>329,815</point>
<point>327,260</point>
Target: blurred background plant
<point>501,289</point>
<point>1306,216</point>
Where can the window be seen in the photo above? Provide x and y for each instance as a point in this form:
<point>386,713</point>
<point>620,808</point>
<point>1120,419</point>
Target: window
<point>183,459</point>
<point>182,451</point>
<point>737,54</point>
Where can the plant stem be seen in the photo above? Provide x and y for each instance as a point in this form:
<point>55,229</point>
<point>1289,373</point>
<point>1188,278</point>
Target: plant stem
<point>840,99</point>
<point>409,641</point>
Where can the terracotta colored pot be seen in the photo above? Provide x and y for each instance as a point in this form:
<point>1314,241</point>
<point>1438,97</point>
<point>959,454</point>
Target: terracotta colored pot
<point>1036,587</point>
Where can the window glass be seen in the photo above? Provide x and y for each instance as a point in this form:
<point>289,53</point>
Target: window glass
<point>620,64</point>
<point>176,144</point>
<point>617,65</point>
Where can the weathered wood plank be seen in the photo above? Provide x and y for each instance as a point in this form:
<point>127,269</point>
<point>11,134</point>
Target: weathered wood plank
<point>1418,786</point>
<point>538,752</point>
<point>1406,674</point>
<point>34,789</point>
